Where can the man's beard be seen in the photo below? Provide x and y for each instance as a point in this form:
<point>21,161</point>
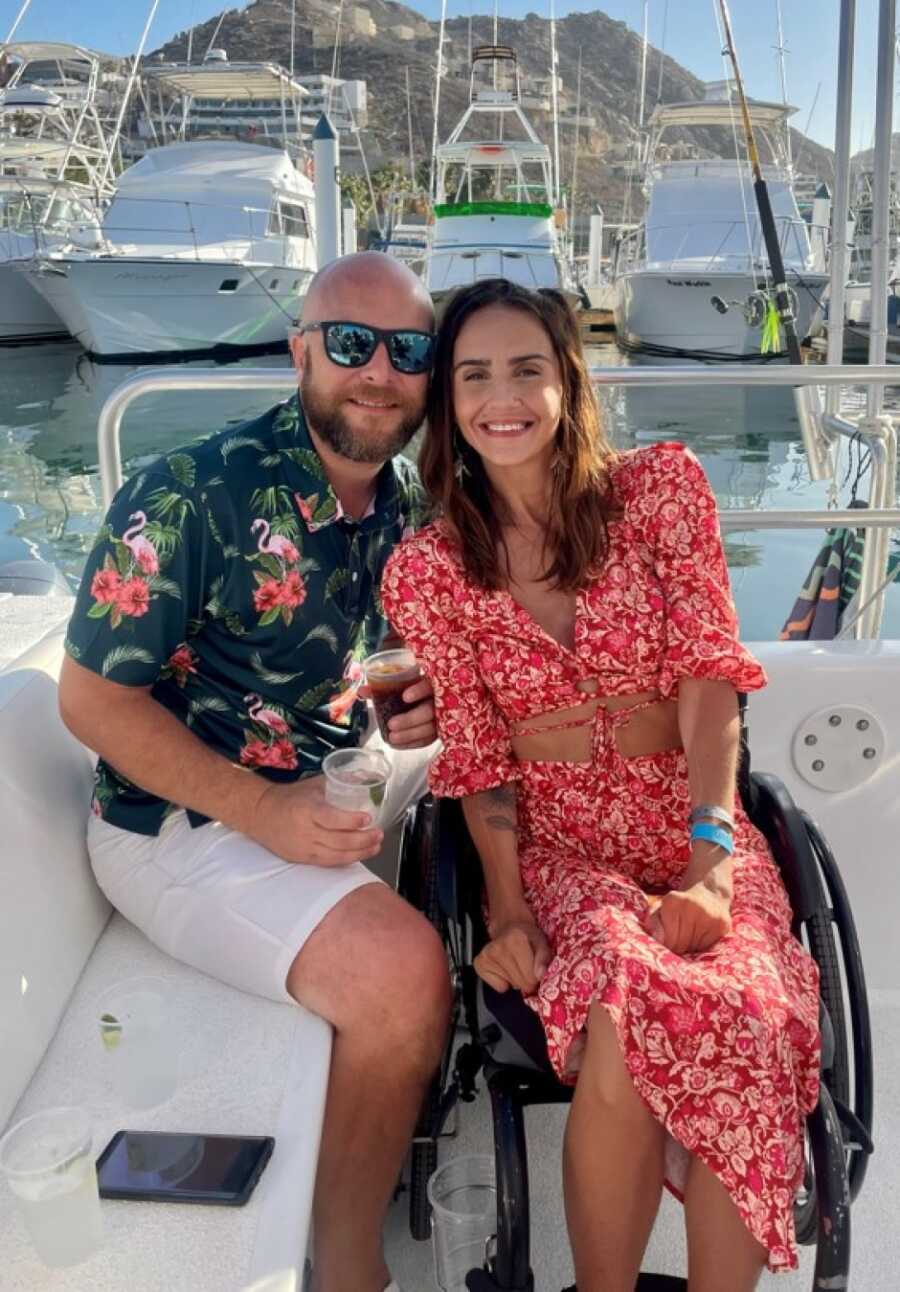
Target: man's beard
<point>328,421</point>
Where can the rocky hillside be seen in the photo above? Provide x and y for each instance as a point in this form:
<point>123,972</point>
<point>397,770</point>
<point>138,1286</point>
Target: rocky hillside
<point>381,40</point>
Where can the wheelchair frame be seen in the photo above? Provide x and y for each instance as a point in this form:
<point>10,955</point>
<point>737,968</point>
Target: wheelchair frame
<point>441,875</point>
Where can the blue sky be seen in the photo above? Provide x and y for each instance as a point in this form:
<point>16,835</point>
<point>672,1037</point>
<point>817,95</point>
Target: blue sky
<point>810,37</point>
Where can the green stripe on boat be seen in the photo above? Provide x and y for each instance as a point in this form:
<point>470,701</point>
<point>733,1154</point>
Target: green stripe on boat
<point>540,209</point>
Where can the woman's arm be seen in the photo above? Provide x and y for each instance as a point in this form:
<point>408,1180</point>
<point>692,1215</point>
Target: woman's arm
<point>710,732</point>
<point>518,952</point>
<point>695,916</point>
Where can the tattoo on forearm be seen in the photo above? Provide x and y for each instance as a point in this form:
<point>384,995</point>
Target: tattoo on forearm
<point>499,808</point>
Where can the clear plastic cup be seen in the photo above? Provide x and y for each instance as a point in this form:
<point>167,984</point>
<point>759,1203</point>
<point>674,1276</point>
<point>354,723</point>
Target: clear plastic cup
<point>356,780</point>
<point>388,674</point>
<point>463,1197</point>
<point>49,1163</point>
<point>140,1040</point>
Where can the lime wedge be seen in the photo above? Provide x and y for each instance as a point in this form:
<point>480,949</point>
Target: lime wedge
<point>110,1031</point>
<point>376,794</point>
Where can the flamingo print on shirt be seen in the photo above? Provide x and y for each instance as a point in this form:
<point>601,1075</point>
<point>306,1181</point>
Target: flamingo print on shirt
<point>141,549</point>
<point>274,544</point>
<point>269,744</point>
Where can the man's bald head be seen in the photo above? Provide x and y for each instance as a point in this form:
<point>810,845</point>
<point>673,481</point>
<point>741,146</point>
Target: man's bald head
<point>351,287</point>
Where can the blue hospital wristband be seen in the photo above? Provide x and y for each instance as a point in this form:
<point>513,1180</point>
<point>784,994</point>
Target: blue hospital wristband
<point>713,834</point>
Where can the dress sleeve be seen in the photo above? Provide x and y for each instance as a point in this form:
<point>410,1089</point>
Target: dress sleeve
<point>422,595</point>
<point>701,622</point>
<point>143,584</point>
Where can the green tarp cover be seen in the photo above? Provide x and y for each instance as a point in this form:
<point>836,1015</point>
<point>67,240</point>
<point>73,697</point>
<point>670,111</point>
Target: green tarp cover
<point>540,209</point>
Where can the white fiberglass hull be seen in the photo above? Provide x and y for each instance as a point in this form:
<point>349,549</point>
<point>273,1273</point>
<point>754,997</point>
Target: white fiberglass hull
<point>25,315</point>
<point>466,248</point>
<point>671,312</point>
<point>124,306</point>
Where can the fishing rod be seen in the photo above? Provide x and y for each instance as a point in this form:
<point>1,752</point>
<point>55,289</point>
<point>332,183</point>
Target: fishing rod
<point>783,305</point>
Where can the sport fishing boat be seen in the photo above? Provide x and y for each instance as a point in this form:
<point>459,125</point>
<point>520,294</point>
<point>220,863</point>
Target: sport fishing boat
<point>495,209</point>
<point>208,244</point>
<point>692,280</point>
<point>56,168</point>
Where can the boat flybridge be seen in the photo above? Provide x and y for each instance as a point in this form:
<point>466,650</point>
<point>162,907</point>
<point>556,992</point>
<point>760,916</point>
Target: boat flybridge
<point>56,167</point>
<point>693,280</point>
<point>496,209</point>
<point>208,243</point>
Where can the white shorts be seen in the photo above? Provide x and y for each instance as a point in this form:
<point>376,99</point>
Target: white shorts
<point>214,899</point>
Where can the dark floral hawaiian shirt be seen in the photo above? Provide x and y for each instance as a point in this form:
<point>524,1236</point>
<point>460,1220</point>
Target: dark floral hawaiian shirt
<point>227,578</point>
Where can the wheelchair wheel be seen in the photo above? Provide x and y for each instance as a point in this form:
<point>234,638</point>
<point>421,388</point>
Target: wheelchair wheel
<point>419,885</point>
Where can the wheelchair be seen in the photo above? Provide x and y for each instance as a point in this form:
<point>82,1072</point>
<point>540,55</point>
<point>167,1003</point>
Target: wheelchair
<point>441,875</point>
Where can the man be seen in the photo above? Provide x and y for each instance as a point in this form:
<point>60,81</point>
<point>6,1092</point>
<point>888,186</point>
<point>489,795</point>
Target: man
<point>212,660</point>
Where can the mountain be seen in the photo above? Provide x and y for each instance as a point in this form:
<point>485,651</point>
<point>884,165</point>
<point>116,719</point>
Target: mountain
<point>383,41</point>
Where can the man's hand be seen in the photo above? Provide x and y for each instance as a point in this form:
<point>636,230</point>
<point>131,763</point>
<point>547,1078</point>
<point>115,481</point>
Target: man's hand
<point>692,919</point>
<point>516,956</point>
<point>416,728</point>
<point>296,823</point>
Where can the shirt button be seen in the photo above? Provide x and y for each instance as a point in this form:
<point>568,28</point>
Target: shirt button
<point>354,576</point>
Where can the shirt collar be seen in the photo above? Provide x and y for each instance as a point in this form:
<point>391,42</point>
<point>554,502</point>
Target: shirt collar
<point>315,499</point>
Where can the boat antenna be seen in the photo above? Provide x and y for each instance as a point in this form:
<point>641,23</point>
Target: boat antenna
<point>783,304</point>
<point>409,131</point>
<point>19,16</point>
<point>643,89</point>
<point>135,67</point>
<point>432,179</point>
<point>781,51</point>
<point>662,50</point>
<point>554,100</point>
<point>577,144</point>
<point>334,58</point>
<point>215,34</point>
<point>293,33</point>
<point>812,109</point>
<point>190,39</point>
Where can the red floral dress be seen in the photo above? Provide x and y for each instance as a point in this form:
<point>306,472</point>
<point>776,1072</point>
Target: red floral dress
<point>723,1046</point>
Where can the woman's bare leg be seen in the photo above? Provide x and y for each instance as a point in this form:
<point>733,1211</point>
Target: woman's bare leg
<point>612,1166</point>
<point>717,1238</point>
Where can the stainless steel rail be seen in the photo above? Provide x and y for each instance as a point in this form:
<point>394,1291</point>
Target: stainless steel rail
<point>879,433</point>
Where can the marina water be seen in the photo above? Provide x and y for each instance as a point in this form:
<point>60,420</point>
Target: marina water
<point>748,441</point>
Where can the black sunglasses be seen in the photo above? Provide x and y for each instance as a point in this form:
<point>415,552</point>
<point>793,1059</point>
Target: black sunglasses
<point>351,345</point>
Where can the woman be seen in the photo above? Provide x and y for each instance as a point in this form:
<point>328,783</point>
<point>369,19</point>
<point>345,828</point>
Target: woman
<point>572,609</point>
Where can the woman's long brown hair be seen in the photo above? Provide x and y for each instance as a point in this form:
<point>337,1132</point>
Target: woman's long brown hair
<point>581,503</point>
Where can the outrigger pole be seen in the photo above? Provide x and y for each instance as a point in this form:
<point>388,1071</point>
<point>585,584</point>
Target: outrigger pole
<point>783,305</point>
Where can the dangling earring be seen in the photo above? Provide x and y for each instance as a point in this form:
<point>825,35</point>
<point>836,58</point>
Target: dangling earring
<point>460,467</point>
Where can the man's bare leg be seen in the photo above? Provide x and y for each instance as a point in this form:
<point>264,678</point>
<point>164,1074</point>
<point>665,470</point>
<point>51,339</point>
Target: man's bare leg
<point>613,1166</point>
<point>376,970</point>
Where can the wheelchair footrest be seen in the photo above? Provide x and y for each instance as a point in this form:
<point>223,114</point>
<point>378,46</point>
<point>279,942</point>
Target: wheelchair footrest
<point>652,1283</point>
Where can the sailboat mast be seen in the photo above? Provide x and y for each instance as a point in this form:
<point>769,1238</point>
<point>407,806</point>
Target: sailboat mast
<point>432,180</point>
<point>554,100</point>
<point>763,203</point>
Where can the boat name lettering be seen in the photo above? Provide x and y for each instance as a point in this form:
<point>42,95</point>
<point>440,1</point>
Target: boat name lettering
<point>142,275</point>
<point>688,282</point>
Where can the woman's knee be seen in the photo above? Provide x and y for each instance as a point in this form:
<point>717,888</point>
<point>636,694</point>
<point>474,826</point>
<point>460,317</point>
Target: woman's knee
<point>603,1070</point>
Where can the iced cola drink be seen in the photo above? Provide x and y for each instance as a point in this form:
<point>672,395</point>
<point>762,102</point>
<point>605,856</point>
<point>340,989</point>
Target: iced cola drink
<point>388,674</point>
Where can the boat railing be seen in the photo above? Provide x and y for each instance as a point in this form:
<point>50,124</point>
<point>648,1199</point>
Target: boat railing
<point>739,248</point>
<point>196,228</point>
<point>879,434</point>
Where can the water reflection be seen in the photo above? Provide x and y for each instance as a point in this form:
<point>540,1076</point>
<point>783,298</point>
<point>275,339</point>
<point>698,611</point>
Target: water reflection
<point>50,399</point>
<point>51,395</point>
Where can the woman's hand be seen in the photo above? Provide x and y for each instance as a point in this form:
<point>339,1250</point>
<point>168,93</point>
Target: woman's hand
<point>694,917</point>
<point>516,956</point>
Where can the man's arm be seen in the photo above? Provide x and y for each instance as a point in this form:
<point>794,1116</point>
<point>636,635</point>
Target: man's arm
<point>148,745</point>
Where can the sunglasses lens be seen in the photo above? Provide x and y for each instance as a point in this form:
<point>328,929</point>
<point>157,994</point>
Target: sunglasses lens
<point>350,344</point>
<point>411,352</point>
